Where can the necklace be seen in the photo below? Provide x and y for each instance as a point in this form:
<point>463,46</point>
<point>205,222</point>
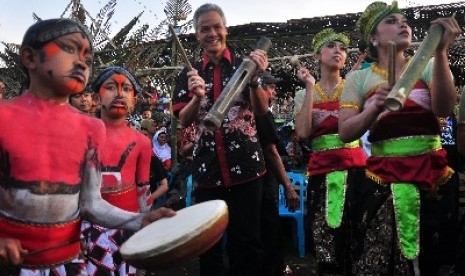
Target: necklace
<point>324,94</point>
<point>383,73</point>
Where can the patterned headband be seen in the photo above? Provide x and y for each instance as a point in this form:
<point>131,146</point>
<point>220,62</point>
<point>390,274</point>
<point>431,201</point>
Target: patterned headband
<point>48,30</point>
<point>108,72</point>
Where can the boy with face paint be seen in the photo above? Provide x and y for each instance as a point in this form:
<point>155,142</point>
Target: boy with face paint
<point>82,101</point>
<point>50,178</point>
<point>125,168</point>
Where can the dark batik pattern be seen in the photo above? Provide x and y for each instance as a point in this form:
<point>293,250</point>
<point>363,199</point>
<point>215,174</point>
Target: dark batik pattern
<point>232,154</point>
<point>378,242</point>
<point>332,246</point>
<point>382,255</point>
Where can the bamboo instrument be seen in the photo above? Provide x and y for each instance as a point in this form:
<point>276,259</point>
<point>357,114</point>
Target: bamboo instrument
<point>233,88</point>
<point>396,98</point>
<point>183,52</point>
<point>391,63</point>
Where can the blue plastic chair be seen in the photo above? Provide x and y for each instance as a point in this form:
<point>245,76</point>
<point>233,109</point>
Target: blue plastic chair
<point>299,181</point>
<point>189,190</point>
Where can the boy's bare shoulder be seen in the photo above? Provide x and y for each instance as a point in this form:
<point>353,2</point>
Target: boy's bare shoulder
<point>10,107</point>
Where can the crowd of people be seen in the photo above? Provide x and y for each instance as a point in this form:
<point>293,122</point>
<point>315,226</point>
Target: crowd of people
<point>81,169</point>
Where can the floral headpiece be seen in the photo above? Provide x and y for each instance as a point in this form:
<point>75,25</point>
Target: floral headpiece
<point>372,15</point>
<point>327,35</point>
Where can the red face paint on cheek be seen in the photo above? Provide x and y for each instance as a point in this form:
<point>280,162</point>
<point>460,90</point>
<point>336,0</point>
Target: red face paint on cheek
<point>51,50</point>
<point>102,92</point>
<point>106,101</point>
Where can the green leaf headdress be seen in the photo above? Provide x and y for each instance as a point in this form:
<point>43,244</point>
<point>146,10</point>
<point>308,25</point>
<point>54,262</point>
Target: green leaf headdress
<point>372,15</point>
<point>327,35</point>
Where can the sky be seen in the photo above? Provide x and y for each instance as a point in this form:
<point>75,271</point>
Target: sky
<point>17,16</point>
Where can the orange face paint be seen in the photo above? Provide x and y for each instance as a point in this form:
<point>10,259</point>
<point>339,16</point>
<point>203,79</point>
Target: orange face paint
<point>75,86</point>
<point>51,50</point>
<point>111,89</point>
<point>120,80</point>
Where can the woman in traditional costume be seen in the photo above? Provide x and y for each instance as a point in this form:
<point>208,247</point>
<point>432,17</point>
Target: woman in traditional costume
<point>408,166</point>
<point>333,165</point>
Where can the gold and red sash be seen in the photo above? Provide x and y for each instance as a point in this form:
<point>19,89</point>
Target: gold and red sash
<point>331,154</point>
<point>408,156</point>
<point>60,239</point>
<point>404,159</point>
<point>339,157</point>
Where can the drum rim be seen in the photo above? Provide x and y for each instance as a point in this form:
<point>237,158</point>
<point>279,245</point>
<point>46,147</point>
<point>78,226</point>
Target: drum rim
<point>170,245</point>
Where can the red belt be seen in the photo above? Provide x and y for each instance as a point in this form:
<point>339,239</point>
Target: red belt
<point>61,238</point>
<point>125,199</point>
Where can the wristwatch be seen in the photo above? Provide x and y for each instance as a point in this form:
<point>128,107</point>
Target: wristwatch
<point>258,82</point>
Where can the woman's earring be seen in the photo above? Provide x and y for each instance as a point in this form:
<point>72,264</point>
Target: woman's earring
<point>375,43</point>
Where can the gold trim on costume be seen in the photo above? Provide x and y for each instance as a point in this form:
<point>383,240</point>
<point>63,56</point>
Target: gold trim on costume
<point>447,174</point>
<point>324,97</point>
<point>370,175</point>
<point>383,73</point>
<point>349,105</point>
<point>121,191</point>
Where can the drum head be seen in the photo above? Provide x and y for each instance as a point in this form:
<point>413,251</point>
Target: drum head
<point>169,241</point>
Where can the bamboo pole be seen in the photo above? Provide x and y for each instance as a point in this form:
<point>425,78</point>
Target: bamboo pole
<point>396,98</point>
<point>181,49</point>
<point>391,63</point>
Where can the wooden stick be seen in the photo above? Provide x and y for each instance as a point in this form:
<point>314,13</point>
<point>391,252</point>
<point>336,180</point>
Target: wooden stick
<point>183,52</point>
<point>391,63</point>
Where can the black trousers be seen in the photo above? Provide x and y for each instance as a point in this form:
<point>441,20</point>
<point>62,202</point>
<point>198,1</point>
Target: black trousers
<point>244,248</point>
<point>271,237</point>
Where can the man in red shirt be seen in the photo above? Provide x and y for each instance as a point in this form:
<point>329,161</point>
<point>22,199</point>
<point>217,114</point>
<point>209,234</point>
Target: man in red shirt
<point>228,163</point>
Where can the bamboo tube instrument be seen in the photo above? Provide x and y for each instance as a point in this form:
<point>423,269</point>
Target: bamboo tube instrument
<point>396,98</point>
<point>233,88</point>
<point>392,63</point>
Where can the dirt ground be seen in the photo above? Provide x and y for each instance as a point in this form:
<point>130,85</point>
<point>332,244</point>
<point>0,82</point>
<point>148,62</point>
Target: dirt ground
<point>299,266</point>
